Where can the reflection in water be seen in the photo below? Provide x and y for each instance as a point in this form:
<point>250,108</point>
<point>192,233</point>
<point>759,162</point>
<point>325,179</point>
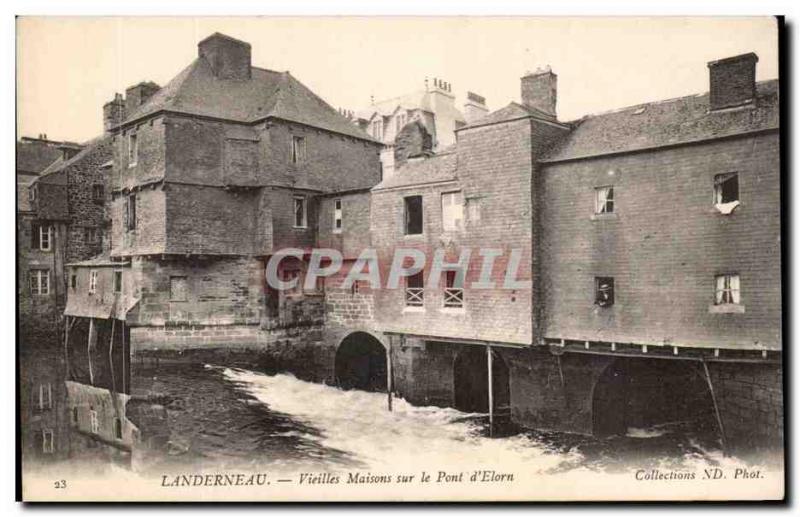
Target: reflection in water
<point>198,417</point>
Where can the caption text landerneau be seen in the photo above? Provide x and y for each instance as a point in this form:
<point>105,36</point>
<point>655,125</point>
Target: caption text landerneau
<point>328,478</point>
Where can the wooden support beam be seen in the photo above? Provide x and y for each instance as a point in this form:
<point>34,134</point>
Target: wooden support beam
<point>389,383</point>
<point>491,392</point>
<point>111,356</point>
<point>716,409</point>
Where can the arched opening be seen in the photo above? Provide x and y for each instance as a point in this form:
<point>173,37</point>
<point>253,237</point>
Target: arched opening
<point>471,381</point>
<point>361,363</point>
<point>642,393</point>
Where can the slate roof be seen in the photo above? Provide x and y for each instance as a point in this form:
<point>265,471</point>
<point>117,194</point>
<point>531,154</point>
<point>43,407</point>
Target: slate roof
<point>196,91</point>
<point>34,156</point>
<point>512,111</point>
<point>658,124</point>
<point>441,167</point>
<point>50,174</point>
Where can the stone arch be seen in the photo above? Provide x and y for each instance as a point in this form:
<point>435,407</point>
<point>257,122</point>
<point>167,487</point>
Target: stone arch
<point>641,393</point>
<point>470,381</point>
<point>361,363</point>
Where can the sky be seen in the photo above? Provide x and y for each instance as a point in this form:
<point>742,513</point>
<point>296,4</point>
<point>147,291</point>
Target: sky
<point>67,68</point>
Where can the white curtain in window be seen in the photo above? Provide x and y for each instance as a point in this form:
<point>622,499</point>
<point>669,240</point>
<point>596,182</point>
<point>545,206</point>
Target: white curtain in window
<point>602,199</point>
<point>734,286</point>
<point>720,290</point>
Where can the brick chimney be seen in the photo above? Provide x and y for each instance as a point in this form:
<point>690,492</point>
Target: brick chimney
<point>539,90</point>
<point>113,113</point>
<point>138,94</point>
<point>732,81</point>
<point>475,107</point>
<point>229,58</point>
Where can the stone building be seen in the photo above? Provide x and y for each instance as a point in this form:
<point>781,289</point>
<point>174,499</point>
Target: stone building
<point>634,256</point>
<point>39,250</point>
<point>213,173</point>
<point>432,107</point>
<point>648,242</point>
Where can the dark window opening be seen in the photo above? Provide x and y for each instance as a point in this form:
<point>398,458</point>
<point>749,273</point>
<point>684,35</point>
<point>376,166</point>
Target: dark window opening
<point>453,294</point>
<point>298,149</point>
<point>413,205</point>
<point>73,281</point>
<point>130,211</point>
<point>604,291</point>
<point>415,290</point>
<point>118,429</point>
<point>117,281</point>
<point>726,188</point>
<point>98,193</point>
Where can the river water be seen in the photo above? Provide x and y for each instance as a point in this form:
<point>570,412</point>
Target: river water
<point>223,418</point>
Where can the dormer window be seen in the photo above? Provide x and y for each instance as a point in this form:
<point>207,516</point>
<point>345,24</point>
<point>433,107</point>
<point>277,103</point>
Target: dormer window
<point>377,129</point>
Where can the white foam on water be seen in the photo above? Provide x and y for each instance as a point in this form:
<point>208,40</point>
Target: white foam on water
<point>359,423</point>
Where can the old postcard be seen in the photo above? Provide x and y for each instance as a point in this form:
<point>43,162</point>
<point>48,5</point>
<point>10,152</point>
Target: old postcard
<point>399,259</point>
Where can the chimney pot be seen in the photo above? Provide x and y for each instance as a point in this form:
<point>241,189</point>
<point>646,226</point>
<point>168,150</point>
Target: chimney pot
<point>539,91</point>
<point>113,113</point>
<point>732,81</point>
<point>229,57</point>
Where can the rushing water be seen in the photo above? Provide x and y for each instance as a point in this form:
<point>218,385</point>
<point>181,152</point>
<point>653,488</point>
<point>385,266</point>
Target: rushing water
<point>228,417</point>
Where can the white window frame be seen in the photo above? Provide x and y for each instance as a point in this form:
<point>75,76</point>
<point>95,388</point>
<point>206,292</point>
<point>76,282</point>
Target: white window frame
<point>94,422</point>
<point>304,201</point>
<point>45,237</point>
<point>48,441</point>
<point>37,285</point>
<point>133,149</point>
<point>337,216</point>
<point>452,202</point>
<point>93,281</point>
<point>45,396</point>
<point>603,199</point>
<point>727,289</point>
<point>377,129</point>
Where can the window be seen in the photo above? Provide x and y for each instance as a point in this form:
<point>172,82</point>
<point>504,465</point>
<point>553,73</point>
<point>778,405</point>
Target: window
<point>47,441</point>
<point>93,421</point>
<point>91,235</point>
<point>133,149</point>
<point>41,236</point>
<point>130,212</point>
<point>44,399</point>
<point>415,291</point>
<point>288,275</point>
<point>453,295</point>
<point>298,149</point>
<point>118,429</point>
<point>300,212</point>
<point>92,281</point>
<point>452,211</point>
<point>98,193</point>
<point>178,289</point>
<point>401,120</point>
<point>355,288</point>
<point>604,200</point>
<point>73,281</point>
<point>32,193</point>
<point>40,281</point>
<point>117,282</point>
<point>604,291</point>
<point>474,210</point>
<point>75,415</point>
<point>727,290</point>
<point>413,217</point>
<point>337,215</point>
<point>377,129</point>
<point>726,192</point>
